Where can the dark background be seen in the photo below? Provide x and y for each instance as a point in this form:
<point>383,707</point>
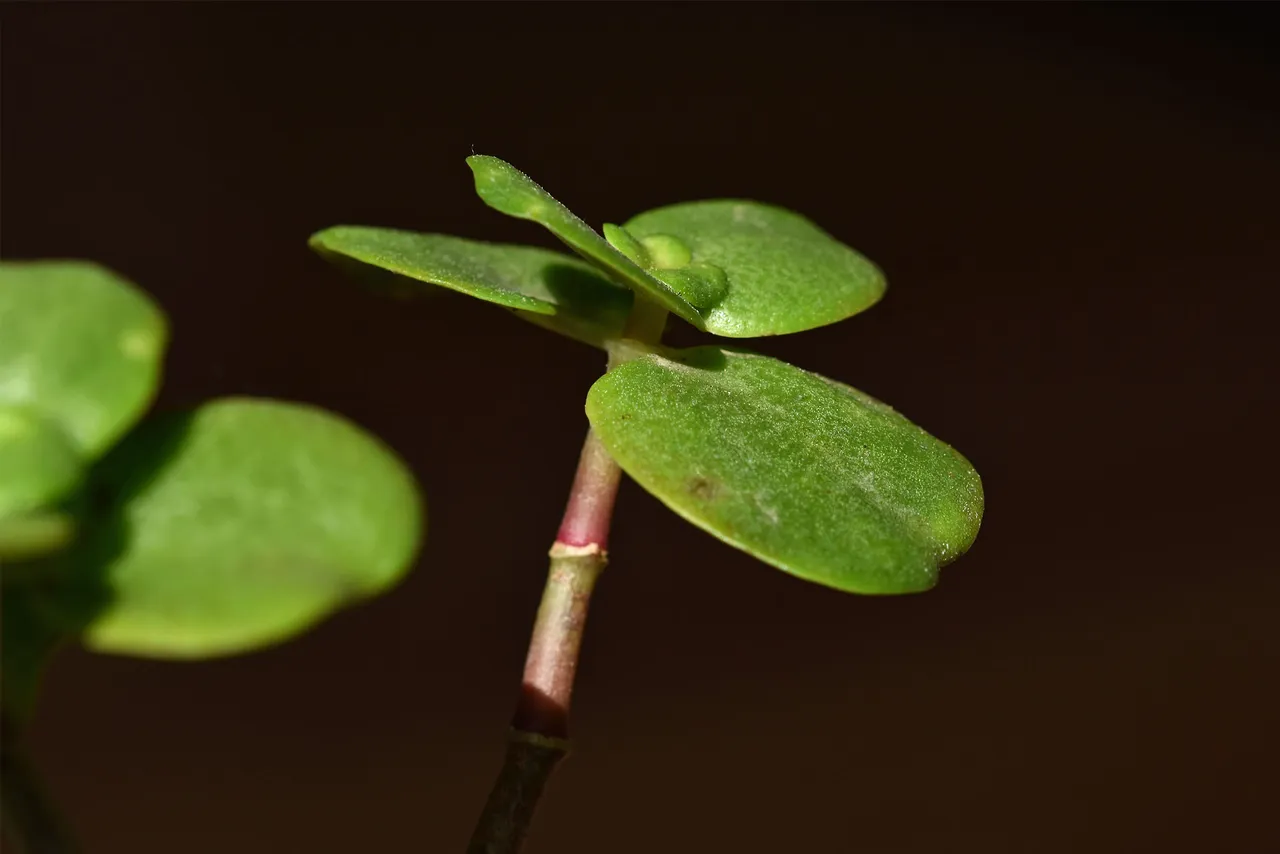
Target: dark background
<point>1077,210</point>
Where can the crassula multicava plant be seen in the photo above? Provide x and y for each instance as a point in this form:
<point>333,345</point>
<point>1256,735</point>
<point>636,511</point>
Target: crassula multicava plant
<point>805,473</point>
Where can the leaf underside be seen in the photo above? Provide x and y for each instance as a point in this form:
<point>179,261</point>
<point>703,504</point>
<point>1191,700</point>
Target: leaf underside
<point>806,474</point>
<point>566,294</point>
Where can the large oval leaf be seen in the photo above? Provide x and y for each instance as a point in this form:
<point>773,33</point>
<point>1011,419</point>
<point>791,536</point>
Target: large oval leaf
<point>505,188</point>
<point>79,346</point>
<point>784,274</point>
<point>569,294</point>
<point>238,526</point>
<point>806,474</point>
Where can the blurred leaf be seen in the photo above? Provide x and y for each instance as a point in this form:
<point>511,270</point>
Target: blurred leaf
<point>505,188</point>
<point>38,464</point>
<point>25,537</point>
<point>572,297</point>
<point>782,273</point>
<point>80,346</point>
<point>807,474</point>
<point>238,526</point>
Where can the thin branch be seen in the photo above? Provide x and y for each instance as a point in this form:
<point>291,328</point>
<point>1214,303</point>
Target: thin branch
<point>595,486</point>
<point>539,733</point>
<point>509,811</point>
<point>29,822</point>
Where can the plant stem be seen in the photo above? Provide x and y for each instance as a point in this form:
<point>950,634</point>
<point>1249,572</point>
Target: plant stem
<point>30,824</point>
<point>539,734</point>
<point>586,519</point>
<point>538,738</point>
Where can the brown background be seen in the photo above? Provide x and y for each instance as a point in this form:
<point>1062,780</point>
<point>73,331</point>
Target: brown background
<point>1076,207</point>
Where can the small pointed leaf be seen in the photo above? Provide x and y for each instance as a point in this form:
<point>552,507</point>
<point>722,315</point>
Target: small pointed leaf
<point>621,240</point>
<point>79,346</point>
<point>666,252</point>
<point>807,474</point>
<point>505,188</point>
<point>571,295</point>
<point>238,526</point>
<point>783,273</point>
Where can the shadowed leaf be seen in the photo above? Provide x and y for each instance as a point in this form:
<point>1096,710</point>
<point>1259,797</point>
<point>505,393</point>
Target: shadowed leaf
<point>568,295</point>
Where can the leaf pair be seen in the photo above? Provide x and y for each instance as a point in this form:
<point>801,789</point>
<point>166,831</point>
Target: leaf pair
<point>738,269</point>
<point>197,534</point>
<point>805,473</point>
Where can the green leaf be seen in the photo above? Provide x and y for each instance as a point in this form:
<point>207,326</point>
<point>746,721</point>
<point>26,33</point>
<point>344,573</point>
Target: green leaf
<point>505,188</point>
<point>570,295</point>
<point>783,273</point>
<point>38,464</point>
<point>81,347</point>
<point>805,473</point>
<point>238,526</point>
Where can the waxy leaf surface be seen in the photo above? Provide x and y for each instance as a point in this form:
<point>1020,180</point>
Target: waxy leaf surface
<point>238,526</point>
<point>80,347</point>
<point>805,473</point>
<point>782,273</point>
<point>505,188</point>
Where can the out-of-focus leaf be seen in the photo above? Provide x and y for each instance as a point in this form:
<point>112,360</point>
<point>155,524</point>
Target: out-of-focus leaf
<point>79,346</point>
<point>238,526</point>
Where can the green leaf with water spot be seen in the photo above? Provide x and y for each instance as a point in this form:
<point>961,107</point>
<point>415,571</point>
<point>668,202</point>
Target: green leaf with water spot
<point>782,273</point>
<point>552,289</point>
<point>505,188</point>
<point>237,526</point>
<point>807,474</point>
<point>80,347</point>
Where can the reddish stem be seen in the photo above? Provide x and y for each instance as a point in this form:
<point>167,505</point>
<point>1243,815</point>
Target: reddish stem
<point>595,486</point>
<point>538,739</point>
<point>540,727</point>
<point>577,557</point>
